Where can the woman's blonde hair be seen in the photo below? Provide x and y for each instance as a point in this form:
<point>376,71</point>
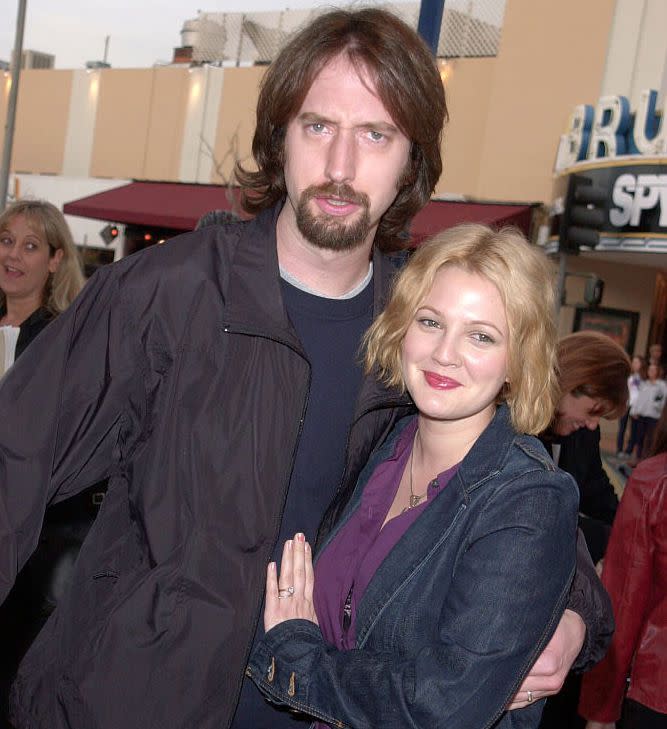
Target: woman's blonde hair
<point>63,285</point>
<point>525,280</point>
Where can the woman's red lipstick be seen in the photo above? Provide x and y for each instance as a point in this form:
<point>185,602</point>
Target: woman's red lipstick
<point>440,382</point>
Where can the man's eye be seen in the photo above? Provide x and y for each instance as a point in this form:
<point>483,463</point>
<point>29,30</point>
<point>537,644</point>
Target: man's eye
<point>317,127</point>
<point>376,136</point>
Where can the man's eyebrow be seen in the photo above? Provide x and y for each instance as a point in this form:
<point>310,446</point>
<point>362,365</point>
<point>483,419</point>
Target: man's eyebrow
<point>310,117</point>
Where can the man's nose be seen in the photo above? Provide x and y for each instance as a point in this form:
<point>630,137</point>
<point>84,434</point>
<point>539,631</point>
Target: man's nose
<point>341,158</point>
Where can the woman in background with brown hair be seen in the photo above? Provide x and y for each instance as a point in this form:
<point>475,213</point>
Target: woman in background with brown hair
<point>635,575</point>
<point>593,374</point>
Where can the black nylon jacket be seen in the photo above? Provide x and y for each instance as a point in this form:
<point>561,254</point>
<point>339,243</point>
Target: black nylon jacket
<point>178,375</point>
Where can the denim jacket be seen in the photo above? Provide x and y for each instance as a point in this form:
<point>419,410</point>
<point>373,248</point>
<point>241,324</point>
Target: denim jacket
<point>458,611</point>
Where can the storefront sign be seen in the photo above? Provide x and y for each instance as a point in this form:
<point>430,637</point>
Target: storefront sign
<point>609,130</point>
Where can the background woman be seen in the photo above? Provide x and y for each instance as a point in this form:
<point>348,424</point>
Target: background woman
<point>40,276</point>
<point>635,575</point>
<point>40,273</point>
<point>449,569</point>
<point>593,372</point>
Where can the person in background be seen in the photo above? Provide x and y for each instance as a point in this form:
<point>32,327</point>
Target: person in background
<point>593,373</point>
<point>429,598</point>
<point>648,407</point>
<point>635,575</point>
<point>655,355</point>
<point>40,272</point>
<point>637,375</point>
<point>40,275</point>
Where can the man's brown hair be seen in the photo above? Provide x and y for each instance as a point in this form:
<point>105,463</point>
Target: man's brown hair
<point>407,81</point>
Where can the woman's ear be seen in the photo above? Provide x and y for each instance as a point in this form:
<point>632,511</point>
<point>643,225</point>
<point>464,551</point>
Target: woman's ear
<point>56,258</point>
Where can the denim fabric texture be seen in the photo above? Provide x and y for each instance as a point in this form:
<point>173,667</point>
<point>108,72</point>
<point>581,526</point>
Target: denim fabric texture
<point>459,610</point>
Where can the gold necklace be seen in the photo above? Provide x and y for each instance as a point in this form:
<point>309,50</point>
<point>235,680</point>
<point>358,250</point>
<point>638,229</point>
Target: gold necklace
<point>415,499</point>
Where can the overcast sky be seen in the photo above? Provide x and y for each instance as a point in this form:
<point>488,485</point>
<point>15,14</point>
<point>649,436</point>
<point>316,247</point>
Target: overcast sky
<point>142,32</point>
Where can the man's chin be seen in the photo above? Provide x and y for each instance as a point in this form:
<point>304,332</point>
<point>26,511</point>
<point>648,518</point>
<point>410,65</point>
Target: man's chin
<point>335,233</point>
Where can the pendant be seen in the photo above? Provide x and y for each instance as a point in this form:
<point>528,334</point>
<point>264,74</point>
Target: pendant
<point>415,500</point>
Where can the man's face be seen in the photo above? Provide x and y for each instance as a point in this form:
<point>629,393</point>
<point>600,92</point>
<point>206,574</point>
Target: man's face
<point>344,158</point>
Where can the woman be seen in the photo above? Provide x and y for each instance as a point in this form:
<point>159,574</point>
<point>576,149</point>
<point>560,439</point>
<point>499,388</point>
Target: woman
<point>431,593</point>
<point>635,575</point>
<point>40,276</point>
<point>40,272</point>
<point>648,407</point>
<point>593,372</point>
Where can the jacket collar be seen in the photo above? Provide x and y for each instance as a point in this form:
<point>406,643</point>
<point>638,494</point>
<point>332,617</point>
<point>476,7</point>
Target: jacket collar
<point>489,453</point>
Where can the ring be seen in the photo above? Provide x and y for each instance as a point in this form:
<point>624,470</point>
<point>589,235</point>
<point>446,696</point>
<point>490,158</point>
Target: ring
<point>287,592</point>
<point>530,697</point>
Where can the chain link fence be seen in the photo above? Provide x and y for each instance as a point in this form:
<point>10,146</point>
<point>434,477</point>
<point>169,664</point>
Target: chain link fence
<point>470,28</point>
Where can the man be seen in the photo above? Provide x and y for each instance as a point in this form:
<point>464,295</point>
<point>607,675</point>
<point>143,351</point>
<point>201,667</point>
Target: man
<point>214,380</point>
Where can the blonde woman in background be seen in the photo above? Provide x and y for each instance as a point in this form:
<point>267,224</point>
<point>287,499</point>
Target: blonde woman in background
<point>40,273</point>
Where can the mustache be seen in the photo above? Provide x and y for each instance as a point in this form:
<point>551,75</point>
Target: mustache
<point>342,191</point>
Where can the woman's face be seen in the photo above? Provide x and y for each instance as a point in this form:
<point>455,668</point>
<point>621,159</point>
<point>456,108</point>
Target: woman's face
<point>636,365</point>
<point>653,372</point>
<point>454,354</point>
<point>25,260</point>
<point>577,411</point>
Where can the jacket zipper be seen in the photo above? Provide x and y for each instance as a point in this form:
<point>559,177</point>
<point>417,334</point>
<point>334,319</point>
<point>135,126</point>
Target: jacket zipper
<point>227,329</point>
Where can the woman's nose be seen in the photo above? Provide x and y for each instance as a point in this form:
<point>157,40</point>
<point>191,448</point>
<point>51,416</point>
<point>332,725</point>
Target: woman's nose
<point>446,351</point>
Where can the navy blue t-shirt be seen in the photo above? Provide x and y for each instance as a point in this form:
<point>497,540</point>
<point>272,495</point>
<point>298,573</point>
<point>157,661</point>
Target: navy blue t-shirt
<point>330,332</point>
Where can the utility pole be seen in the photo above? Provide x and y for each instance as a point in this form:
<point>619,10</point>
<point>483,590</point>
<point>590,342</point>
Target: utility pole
<point>11,106</point>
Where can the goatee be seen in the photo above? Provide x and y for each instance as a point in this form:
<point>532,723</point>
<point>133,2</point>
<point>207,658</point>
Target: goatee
<point>327,231</point>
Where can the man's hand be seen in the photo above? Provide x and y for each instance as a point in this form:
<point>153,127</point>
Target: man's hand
<point>600,725</point>
<point>547,675</point>
<point>290,596</point>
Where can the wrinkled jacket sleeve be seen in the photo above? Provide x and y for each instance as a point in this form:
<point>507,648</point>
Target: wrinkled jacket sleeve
<point>627,574</point>
<point>589,599</point>
<point>495,619</point>
<point>64,407</point>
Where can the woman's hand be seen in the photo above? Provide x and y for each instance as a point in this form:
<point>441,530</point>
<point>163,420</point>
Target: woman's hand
<point>290,596</point>
<point>600,725</point>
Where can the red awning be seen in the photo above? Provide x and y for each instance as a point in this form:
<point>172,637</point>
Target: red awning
<point>180,205</point>
<point>161,204</point>
<point>442,214</point>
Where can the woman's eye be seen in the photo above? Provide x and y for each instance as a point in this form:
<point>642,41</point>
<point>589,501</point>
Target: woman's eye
<point>429,323</point>
<point>483,338</point>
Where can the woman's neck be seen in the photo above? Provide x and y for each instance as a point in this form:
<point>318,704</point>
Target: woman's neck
<point>17,310</point>
<point>443,444</point>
